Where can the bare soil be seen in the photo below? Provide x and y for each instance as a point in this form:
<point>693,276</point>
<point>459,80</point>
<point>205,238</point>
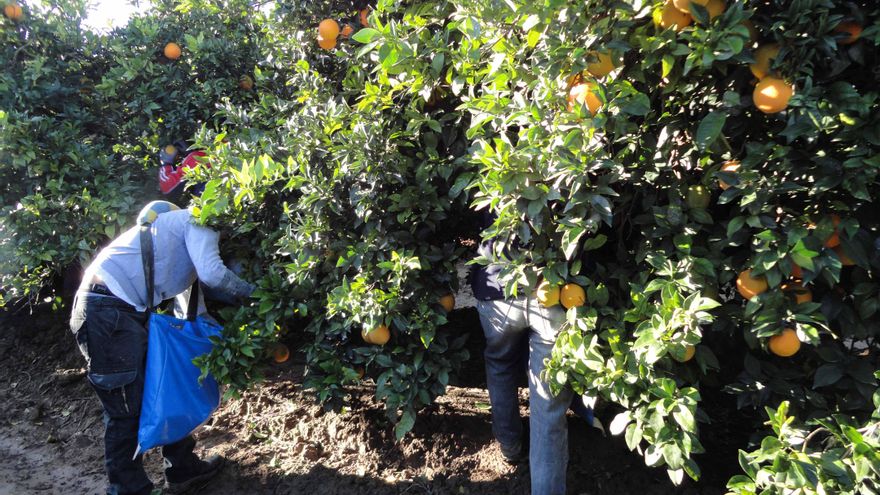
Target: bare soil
<point>277,440</point>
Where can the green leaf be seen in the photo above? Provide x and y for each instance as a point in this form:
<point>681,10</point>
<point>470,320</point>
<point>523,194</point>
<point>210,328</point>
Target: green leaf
<point>365,35</point>
<point>709,129</point>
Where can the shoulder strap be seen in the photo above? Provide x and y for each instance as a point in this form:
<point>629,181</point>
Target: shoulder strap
<point>147,258</point>
<point>192,307</point>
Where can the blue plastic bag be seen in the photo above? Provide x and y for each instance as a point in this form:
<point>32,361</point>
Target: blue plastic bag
<point>174,402</point>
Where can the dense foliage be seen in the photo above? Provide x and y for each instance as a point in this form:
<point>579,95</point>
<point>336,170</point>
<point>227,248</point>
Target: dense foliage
<point>652,163</point>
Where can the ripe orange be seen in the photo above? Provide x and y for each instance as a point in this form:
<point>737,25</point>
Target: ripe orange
<point>728,166</point>
<point>800,293</point>
<point>834,239</point>
<point>172,51</point>
<point>764,56</point>
<point>379,335</point>
<point>448,302</point>
<point>603,64</point>
<point>327,44</point>
<point>715,8</point>
<point>347,30</point>
<point>852,29</point>
<point>785,344</point>
<point>572,296</point>
<point>844,259</point>
<point>246,83</point>
<point>364,17</point>
<point>328,29</point>
<point>672,17</point>
<point>688,354</point>
<point>13,11</point>
<point>685,5</point>
<point>548,295</point>
<point>280,353</point>
<point>771,95</point>
<point>749,286</point>
<point>581,94</point>
<point>698,197</point>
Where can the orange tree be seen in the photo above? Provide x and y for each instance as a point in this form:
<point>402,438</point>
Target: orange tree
<point>720,225</point>
<point>345,186</point>
<point>83,115</point>
<point>610,179</point>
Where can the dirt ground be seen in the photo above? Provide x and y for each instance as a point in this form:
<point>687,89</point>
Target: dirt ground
<point>277,440</point>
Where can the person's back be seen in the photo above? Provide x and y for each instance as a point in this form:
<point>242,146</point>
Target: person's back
<point>183,251</point>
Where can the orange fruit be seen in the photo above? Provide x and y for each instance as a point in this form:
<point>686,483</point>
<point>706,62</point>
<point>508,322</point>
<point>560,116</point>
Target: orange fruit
<point>347,30</point>
<point>715,8</point>
<point>852,29</point>
<point>771,95</point>
<point>800,293</point>
<point>379,335</point>
<point>171,149</point>
<point>13,11</point>
<point>764,56</point>
<point>785,344</point>
<point>448,302</point>
<point>728,166</point>
<point>327,44</point>
<point>328,29</point>
<point>603,64</point>
<point>572,296</point>
<point>364,14</point>
<point>685,5</point>
<point>844,259</point>
<point>834,239</point>
<point>548,295</point>
<point>749,286</point>
<point>280,353</point>
<point>172,51</point>
<point>246,83</point>
<point>672,17</point>
<point>581,94</point>
<point>688,354</point>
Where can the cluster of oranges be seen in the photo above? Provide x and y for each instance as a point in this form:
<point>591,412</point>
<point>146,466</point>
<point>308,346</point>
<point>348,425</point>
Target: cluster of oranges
<point>329,30</point>
<point>13,12</point>
<point>787,343</point>
<point>570,295</point>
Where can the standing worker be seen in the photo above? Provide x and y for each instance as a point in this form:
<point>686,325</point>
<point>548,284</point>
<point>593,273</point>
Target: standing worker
<point>515,328</point>
<point>109,321</point>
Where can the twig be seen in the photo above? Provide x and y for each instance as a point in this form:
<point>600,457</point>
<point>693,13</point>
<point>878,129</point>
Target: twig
<point>810,437</point>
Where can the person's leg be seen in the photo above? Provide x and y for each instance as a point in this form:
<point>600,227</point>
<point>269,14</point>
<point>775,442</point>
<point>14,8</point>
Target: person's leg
<point>113,339</point>
<point>504,325</point>
<point>548,454</point>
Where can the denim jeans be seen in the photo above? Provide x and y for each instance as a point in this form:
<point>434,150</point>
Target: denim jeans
<point>511,327</point>
<point>112,336</point>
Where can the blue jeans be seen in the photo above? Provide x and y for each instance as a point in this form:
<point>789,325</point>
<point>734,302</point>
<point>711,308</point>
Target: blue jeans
<point>112,336</point>
<point>510,326</point>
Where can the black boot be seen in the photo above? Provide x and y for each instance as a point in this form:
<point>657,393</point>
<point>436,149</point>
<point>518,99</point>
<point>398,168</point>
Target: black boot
<point>194,474</point>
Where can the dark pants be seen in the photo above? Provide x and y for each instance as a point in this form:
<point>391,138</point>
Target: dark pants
<point>112,336</point>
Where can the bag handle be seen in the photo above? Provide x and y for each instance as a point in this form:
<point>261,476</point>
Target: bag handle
<point>148,261</point>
